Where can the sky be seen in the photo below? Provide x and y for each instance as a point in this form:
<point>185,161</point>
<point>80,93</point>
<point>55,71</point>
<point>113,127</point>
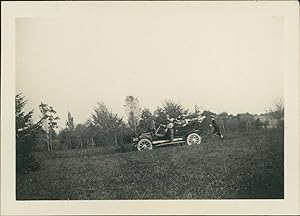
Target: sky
<point>228,64</point>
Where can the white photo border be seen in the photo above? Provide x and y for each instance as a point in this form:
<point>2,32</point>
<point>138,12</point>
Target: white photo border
<point>289,10</point>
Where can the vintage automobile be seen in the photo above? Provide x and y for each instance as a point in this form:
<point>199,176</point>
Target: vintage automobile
<point>181,130</point>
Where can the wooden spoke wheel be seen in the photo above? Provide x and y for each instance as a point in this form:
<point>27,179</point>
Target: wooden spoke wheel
<point>193,139</point>
<point>144,145</point>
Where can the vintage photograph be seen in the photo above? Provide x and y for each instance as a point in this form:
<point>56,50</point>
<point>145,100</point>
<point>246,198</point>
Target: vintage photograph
<point>149,103</point>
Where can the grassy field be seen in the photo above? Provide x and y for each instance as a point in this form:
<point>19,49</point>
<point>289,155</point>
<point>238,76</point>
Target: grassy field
<point>244,167</point>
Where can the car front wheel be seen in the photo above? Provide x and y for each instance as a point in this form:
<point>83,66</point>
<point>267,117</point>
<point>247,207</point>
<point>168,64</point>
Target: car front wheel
<point>193,138</point>
<point>144,145</point>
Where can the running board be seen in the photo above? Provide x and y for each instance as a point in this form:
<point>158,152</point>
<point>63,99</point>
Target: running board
<point>169,143</point>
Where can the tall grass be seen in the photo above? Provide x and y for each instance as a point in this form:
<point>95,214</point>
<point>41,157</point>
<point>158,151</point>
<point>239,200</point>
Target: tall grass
<point>248,166</point>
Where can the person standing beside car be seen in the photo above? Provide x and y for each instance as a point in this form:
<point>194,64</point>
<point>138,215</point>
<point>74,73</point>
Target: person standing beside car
<point>216,128</point>
<point>170,126</point>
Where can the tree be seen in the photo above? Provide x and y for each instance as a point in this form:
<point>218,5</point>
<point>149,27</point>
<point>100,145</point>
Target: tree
<point>41,142</point>
<point>233,125</point>
<point>74,137</point>
<point>277,112</point>
<point>64,138</point>
<point>70,129</point>
<point>145,121</point>
<point>160,116</point>
<point>169,108</point>
<point>81,134</point>
<point>173,109</point>
<point>48,113</point>
<point>106,125</point>
<point>26,136</point>
<point>246,121</point>
<point>90,133</point>
<point>133,109</point>
<point>70,122</point>
<point>197,111</point>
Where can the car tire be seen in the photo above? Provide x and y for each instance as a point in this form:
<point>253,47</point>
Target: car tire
<point>193,139</point>
<point>144,145</point>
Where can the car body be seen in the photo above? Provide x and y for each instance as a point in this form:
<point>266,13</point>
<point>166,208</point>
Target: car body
<point>172,133</point>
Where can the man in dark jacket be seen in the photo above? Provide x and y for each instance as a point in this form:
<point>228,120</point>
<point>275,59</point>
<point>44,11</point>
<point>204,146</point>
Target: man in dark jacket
<point>216,128</point>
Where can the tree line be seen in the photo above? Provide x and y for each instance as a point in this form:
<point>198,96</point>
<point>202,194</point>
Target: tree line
<point>107,128</point>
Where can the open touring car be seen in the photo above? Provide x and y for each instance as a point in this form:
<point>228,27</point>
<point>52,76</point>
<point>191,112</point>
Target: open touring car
<point>175,132</point>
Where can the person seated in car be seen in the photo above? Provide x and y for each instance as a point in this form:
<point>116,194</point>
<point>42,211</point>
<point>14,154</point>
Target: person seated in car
<point>182,121</point>
<point>169,120</point>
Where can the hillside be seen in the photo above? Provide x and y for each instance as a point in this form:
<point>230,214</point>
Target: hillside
<point>249,166</point>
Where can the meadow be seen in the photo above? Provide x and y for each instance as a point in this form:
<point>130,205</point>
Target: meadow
<point>244,166</point>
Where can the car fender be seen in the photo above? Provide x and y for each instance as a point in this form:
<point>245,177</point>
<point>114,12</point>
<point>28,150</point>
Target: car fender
<point>192,131</point>
<point>146,136</point>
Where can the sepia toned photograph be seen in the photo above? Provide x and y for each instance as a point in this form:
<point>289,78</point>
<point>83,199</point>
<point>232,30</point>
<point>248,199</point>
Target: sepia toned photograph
<point>143,107</point>
<point>150,102</point>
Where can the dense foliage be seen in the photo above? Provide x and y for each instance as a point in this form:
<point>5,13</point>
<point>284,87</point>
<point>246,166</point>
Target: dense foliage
<point>26,137</point>
<point>105,128</point>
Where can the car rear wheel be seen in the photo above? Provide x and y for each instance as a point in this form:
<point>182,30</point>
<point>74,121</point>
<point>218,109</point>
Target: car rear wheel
<point>193,139</point>
<point>144,145</point>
